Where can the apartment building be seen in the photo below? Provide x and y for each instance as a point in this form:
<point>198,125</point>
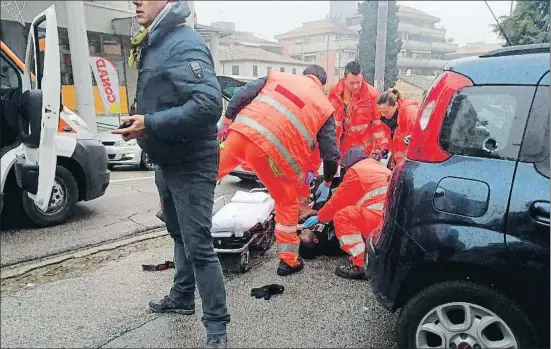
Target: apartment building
<point>424,43</point>
<point>472,49</point>
<point>333,42</point>
<point>324,42</point>
<point>244,38</point>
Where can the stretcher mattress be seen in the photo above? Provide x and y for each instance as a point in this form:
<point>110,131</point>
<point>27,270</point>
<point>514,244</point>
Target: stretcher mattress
<point>242,213</point>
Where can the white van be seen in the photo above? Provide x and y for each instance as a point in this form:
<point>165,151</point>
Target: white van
<point>49,158</point>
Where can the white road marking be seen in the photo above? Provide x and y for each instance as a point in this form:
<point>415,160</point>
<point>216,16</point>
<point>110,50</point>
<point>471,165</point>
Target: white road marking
<point>130,179</point>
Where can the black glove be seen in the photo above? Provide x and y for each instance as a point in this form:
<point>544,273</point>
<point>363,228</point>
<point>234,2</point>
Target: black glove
<point>267,291</point>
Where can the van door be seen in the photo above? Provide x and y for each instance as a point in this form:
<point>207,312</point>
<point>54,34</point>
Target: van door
<point>39,111</point>
<point>528,215</point>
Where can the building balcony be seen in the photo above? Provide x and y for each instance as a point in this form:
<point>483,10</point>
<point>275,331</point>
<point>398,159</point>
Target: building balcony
<point>411,63</point>
<point>323,46</point>
<point>429,46</point>
<point>414,29</point>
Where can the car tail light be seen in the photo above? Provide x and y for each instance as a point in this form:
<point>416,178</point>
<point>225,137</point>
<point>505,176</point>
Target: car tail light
<point>424,145</point>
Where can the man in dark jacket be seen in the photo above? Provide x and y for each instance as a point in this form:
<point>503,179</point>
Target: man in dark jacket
<point>178,102</point>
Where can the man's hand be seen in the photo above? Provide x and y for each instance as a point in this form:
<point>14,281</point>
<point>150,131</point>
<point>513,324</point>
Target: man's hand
<point>322,193</point>
<point>223,128</point>
<point>310,222</point>
<point>135,130</point>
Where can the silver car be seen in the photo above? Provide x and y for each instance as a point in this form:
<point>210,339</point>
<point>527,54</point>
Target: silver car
<point>121,152</point>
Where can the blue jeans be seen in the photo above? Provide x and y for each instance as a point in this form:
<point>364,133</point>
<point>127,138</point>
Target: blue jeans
<point>187,196</point>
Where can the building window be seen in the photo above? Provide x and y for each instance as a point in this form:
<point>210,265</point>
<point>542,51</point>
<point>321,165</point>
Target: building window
<point>94,44</point>
<point>234,70</point>
<point>112,45</point>
<point>269,69</point>
<point>310,58</point>
<point>295,71</point>
<point>282,69</point>
<point>255,70</point>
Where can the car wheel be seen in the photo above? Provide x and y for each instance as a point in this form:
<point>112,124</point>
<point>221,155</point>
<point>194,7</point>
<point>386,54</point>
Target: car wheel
<point>146,164</point>
<point>62,202</point>
<point>461,314</point>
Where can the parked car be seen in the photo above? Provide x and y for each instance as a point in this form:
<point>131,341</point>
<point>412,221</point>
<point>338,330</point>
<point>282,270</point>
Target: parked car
<point>121,152</point>
<point>464,248</point>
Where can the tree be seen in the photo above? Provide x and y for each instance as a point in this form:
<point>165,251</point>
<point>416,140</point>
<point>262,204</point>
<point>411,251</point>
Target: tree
<point>368,40</point>
<point>529,23</point>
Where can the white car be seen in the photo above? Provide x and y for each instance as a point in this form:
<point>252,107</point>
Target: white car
<point>121,152</point>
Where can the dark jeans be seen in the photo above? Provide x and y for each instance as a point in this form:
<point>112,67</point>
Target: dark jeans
<point>187,196</point>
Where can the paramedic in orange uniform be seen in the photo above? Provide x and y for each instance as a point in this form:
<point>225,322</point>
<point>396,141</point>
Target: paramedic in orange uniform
<point>355,106</point>
<point>279,122</point>
<point>356,208</point>
<point>392,132</point>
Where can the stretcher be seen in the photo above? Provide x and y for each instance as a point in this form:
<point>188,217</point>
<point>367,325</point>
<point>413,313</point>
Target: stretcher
<point>243,224</point>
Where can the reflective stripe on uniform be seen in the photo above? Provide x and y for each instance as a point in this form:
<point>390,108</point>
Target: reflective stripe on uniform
<point>379,134</point>
<point>351,239</point>
<point>272,138</point>
<point>378,206</point>
<point>357,250</point>
<point>287,248</point>
<point>399,154</point>
<point>359,128</point>
<point>290,117</point>
<point>375,192</point>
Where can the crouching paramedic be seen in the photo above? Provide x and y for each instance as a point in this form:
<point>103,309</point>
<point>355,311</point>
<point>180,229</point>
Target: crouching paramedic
<point>356,208</point>
<point>278,120</point>
<point>392,132</point>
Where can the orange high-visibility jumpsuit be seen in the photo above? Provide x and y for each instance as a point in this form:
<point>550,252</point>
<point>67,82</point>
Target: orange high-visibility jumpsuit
<point>356,208</point>
<point>275,136</point>
<point>353,115</point>
<point>398,142</point>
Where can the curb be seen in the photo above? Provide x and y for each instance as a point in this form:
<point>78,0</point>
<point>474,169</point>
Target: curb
<point>25,267</point>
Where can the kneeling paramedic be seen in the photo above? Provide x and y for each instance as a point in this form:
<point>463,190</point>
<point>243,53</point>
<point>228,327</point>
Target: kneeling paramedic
<point>278,120</point>
<point>356,208</point>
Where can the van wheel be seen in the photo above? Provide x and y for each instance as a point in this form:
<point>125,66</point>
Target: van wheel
<point>62,202</point>
<point>146,164</point>
<point>461,314</point>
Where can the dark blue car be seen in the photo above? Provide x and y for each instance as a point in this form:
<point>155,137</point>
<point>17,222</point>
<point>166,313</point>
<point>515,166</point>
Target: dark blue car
<point>464,249</point>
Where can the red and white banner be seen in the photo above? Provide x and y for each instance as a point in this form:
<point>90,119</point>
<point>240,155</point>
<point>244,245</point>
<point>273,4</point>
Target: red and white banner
<point>108,84</point>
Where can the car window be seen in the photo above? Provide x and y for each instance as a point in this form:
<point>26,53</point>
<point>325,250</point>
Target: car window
<point>9,75</point>
<point>535,146</point>
<point>487,121</point>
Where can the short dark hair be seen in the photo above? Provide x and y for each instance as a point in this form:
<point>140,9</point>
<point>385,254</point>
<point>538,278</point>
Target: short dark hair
<point>317,71</point>
<point>352,68</point>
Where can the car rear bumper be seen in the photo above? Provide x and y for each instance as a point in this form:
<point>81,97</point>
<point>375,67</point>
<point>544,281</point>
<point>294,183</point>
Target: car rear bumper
<point>125,155</point>
<point>92,157</point>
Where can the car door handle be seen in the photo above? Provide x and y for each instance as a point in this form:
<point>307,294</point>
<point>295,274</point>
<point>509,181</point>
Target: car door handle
<point>439,192</point>
<point>540,212</point>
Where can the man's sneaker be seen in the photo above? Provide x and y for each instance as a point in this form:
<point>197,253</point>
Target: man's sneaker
<point>166,305</point>
<point>284,269</point>
<point>217,341</point>
<point>351,271</point>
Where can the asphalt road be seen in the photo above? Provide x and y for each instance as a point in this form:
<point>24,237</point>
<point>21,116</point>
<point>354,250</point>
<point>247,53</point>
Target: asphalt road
<point>127,208</point>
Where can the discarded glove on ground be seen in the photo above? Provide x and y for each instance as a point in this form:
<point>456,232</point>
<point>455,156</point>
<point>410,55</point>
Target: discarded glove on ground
<point>267,291</point>
<point>159,267</point>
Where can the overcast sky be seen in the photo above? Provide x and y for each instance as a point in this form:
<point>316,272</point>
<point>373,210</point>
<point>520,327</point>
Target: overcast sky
<point>465,21</point>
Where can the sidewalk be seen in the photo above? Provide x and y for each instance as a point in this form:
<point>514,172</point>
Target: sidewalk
<point>107,307</point>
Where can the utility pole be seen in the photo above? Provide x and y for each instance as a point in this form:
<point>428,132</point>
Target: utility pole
<point>511,10</point>
<point>380,49</point>
<point>80,61</point>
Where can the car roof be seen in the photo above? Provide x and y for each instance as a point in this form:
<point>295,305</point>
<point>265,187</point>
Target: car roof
<point>515,65</point>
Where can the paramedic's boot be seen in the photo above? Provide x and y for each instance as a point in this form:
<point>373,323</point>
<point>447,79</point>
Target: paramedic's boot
<point>217,341</point>
<point>351,271</point>
<point>166,305</point>
<point>284,269</point>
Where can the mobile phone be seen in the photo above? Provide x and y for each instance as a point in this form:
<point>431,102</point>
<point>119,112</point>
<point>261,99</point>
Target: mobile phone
<point>125,125</point>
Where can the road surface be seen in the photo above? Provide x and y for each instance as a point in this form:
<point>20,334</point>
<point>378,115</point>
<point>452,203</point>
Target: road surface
<point>127,208</point>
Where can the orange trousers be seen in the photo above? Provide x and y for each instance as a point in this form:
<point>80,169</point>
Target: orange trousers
<point>240,150</point>
<point>353,226</point>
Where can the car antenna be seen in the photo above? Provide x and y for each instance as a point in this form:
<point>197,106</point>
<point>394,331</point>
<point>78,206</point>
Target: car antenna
<point>498,25</point>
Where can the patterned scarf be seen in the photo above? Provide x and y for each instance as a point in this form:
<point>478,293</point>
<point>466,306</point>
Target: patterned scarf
<point>140,39</point>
